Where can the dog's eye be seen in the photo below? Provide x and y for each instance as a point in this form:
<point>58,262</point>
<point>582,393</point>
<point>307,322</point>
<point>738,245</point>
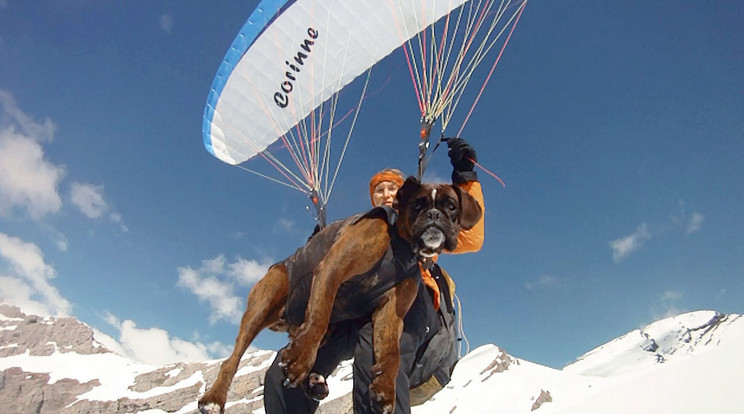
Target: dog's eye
<point>419,204</point>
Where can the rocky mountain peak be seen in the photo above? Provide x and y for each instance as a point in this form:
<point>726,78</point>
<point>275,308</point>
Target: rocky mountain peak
<point>40,336</point>
<point>55,365</point>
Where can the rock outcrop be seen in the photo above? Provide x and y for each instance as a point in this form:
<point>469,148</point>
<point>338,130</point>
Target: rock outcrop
<point>44,342</point>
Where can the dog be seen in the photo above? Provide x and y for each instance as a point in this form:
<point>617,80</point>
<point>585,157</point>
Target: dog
<point>429,219</point>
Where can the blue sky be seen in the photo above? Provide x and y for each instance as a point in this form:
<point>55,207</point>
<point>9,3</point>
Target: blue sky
<point>618,127</point>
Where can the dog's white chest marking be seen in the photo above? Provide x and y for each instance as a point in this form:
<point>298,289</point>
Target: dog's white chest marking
<point>432,236</point>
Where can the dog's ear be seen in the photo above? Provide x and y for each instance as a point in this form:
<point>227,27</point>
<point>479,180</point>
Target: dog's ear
<point>406,191</point>
<point>470,210</point>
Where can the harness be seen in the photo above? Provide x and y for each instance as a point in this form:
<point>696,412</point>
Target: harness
<point>361,294</point>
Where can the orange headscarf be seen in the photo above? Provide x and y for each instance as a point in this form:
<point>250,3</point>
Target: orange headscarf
<point>388,174</point>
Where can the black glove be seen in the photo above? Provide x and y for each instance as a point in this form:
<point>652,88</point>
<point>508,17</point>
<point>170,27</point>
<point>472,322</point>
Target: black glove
<point>463,157</point>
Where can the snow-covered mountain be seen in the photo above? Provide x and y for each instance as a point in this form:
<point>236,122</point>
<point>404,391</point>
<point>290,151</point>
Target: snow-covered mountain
<point>689,364</point>
<point>692,363</point>
<point>56,365</point>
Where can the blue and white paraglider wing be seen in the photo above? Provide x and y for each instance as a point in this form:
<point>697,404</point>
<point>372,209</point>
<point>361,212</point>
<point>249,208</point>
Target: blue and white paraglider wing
<point>291,56</point>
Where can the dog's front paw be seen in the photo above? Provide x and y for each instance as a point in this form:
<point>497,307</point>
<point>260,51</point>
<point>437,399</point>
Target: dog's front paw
<point>210,408</point>
<point>382,395</point>
<point>213,401</point>
<point>296,363</point>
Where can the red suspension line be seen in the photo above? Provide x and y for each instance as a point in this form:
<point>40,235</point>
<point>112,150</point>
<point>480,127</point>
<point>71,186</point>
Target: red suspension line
<point>281,170</point>
<point>498,58</point>
<point>458,65</point>
<point>413,80</point>
<point>296,160</point>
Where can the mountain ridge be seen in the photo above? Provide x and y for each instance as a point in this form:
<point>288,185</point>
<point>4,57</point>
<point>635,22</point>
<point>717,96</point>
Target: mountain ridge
<point>56,365</point>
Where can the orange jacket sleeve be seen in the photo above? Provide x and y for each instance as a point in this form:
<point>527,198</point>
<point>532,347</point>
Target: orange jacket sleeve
<point>472,240</point>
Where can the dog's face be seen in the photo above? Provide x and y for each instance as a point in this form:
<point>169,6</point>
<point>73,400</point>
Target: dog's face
<point>430,216</point>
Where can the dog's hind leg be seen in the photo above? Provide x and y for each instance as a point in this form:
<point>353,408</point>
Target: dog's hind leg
<point>265,303</point>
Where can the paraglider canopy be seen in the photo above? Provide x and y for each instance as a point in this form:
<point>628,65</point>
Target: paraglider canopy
<point>289,60</point>
<point>278,85</point>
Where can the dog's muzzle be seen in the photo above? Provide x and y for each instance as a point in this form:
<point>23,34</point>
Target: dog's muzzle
<point>432,240</point>
<point>431,233</point>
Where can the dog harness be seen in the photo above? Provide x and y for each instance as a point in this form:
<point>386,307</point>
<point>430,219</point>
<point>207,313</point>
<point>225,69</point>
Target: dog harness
<point>359,296</point>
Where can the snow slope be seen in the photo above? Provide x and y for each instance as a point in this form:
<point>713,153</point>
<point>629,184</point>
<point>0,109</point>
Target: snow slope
<point>689,364</point>
<point>692,363</point>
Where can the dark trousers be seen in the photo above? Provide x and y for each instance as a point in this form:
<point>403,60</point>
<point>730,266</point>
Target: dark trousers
<point>338,346</point>
<point>282,400</point>
<point>354,339</point>
<point>363,360</point>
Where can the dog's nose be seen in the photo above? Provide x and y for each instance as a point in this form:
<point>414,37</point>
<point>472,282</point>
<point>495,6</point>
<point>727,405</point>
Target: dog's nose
<point>433,214</point>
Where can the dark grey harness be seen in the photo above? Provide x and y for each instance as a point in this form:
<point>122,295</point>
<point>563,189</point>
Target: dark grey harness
<point>359,296</point>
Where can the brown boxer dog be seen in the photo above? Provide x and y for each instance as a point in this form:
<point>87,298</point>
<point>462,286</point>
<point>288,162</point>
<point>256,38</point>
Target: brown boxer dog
<point>430,217</point>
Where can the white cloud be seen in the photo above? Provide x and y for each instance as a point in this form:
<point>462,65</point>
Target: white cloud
<point>696,221</point>
<point>624,246</point>
<point>220,350</point>
<point>60,240</point>
<point>669,312</point>
<point>284,225</point>
<point>11,115</point>
<point>671,295</point>
<point>17,292</point>
<point>215,266</point>
<point>116,219</point>
<point>432,177</point>
<point>166,23</point>
<point>109,342</point>
<point>216,349</point>
<point>543,281</point>
<point>667,304</point>
<point>152,346</point>
<point>690,223</point>
<point>220,295</point>
<point>30,288</point>
<point>27,180</point>
<point>215,283</point>
<point>248,272</point>
<point>89,199</point>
